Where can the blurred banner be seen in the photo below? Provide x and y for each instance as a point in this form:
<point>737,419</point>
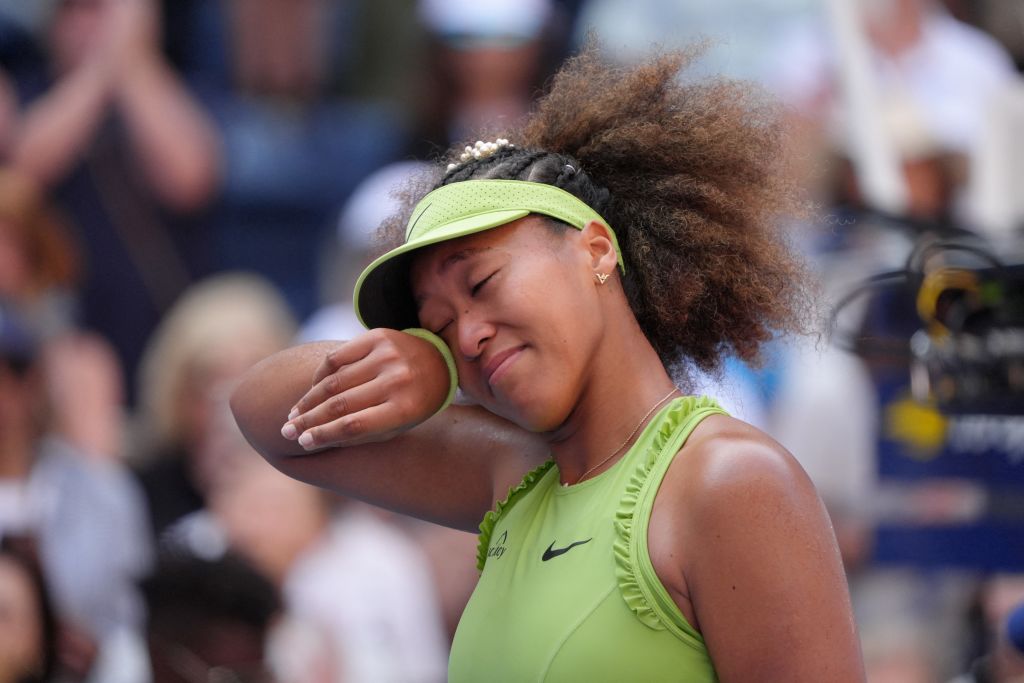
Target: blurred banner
<point>946,351</point>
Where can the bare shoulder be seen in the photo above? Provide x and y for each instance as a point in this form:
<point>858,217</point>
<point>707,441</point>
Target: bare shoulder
<point>746,547</point>
<point>730,489</point>
<point>734,492</point>
<point>726,461</point>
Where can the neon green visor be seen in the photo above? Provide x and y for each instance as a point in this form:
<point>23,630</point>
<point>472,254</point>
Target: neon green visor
<point>383,297</point>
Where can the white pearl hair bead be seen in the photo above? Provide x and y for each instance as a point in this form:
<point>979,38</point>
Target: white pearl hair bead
<point>480,150</point>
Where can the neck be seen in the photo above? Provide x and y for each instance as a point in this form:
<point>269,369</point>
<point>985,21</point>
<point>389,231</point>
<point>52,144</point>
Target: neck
<point>627,380</point>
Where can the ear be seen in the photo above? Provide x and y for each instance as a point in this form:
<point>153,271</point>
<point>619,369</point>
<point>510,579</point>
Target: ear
<point>598,241</point>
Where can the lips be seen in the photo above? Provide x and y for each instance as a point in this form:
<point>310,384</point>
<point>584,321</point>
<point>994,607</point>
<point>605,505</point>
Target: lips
<point>500,363</point>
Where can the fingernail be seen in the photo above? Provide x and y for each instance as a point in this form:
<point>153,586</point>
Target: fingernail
<point>294,414</point>
<point>289,431</point>
<point>306,440</point>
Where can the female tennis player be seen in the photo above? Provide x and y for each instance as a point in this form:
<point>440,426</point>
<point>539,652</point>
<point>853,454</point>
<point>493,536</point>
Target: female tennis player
<point>563,275</point>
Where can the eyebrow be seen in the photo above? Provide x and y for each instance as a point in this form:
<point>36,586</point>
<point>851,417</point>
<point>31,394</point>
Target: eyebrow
<point>460,255</point>
<point>450,261</point>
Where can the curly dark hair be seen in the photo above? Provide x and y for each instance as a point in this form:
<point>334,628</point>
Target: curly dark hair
<point>690,175</point>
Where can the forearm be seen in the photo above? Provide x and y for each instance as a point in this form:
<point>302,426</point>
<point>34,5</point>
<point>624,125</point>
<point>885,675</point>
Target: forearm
<point>172,137</point>
<point>53,133</point>
<point>440,471</point>
<point>268,391</point>
<point>446,469</point>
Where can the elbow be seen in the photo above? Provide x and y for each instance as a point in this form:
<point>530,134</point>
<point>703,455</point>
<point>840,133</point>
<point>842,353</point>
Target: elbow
<point>237,403</point>
<point>244,408</point>
<point>259,418</point>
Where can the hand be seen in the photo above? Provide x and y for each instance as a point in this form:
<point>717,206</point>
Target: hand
<point>130,32</point>
<point>83,377</point>
<point>369,389</point>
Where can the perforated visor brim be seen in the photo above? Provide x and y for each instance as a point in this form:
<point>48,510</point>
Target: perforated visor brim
<point>383,296</point>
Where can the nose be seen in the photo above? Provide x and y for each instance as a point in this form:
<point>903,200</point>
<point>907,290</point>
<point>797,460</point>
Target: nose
<point>473,334</point>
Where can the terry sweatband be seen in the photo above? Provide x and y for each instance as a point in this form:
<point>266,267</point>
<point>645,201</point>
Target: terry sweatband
<point>449,359</point>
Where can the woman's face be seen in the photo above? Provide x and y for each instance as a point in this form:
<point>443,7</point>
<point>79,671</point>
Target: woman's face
<point>519,309</point>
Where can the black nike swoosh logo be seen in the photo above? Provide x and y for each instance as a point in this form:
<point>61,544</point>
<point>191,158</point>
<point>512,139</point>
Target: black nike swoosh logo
<point>553,552</point>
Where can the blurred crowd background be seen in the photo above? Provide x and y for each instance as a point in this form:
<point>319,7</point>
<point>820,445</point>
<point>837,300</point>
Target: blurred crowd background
<point>188,186</point>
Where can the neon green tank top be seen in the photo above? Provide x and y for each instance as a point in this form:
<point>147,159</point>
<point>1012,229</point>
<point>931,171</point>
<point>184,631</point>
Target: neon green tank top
<point>567,590</point>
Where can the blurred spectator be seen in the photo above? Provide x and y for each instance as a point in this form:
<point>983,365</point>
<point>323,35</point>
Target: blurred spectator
<point>1003,20</point>
<point>931,173</point>
<point>298,50</point>
<point>488,61</point>
<point>84,512</point>
<point>280,78</point>
<point>996,191</point>
<point>38,267</point>
<point>215,331</point>
<point>946,68</point>
<point>933,76</point>
<point>739,32</point>
<point>349,572</point>
<point>128,155</point>
<point>1002,661</point>
<point>208,620</point>
<point>38,261</point>
<point>86,399</point>
<point>28,632</point>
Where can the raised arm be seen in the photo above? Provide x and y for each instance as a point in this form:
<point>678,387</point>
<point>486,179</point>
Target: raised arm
<point>173,138</point>
<point>370,413</point>
<point>121,68</point>
<point>51,135</point>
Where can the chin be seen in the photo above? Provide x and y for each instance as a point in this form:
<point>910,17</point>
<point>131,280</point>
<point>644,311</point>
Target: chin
<point>534,413</point>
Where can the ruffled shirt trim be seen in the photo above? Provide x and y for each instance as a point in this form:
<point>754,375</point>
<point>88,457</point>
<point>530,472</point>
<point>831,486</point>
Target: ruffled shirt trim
<point>492,516</point>
<point>635,590</point>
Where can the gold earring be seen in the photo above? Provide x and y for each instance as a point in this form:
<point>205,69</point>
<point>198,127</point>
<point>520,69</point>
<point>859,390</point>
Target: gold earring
<point>601,277</point>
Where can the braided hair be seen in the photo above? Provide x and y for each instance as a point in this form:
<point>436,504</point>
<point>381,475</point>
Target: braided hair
<point>690,176</point>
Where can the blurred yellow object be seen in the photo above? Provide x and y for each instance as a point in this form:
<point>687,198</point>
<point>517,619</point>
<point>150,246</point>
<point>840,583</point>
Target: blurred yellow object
<point>937,282</point>
<point>919,426</point>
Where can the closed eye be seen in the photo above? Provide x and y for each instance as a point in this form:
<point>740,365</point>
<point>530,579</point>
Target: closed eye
<point>476,288</point>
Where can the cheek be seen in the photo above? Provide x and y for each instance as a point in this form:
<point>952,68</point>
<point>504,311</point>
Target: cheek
<point>560,320</point>
<point>567,315</point>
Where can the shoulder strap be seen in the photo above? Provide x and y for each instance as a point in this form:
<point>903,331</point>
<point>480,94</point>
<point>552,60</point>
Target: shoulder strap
<point>638,583</point>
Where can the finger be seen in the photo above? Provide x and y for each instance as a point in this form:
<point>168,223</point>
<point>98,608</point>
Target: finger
<point>346,354</point>
<point>347,377</point>
<point>342,403</point>
<point>374,423</point>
